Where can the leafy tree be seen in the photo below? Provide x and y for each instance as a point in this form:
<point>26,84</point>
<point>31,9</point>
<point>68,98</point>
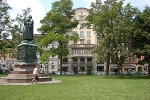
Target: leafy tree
<point>5,25</point>
<point>17,31</point>
<point>113,24</point>
<point>56,26</point>
<point>140,40</point>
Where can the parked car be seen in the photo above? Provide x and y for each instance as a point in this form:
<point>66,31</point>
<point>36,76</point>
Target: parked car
<point>112,73</point>
<point>131,73</point>
<point>100,73</point>
<point>51,72</point>
<point>124,73</point>
<point>81,73</point>
<point>70,73</point>
<point>143,73</point>
<point>58,73</point>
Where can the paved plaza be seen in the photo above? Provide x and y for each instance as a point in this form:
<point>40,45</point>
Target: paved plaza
<point>45,82</point>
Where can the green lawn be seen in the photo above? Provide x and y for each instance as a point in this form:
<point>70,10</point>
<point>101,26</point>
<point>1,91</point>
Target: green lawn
<point>82,88</point>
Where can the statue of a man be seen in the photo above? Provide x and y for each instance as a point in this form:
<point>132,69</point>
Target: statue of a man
<point>28,29</point>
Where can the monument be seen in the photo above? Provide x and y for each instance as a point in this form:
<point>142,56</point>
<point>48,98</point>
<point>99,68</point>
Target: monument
<point>26,58</point>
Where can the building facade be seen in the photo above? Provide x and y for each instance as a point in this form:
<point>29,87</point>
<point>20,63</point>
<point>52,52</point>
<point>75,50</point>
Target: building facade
<point>80,56</point>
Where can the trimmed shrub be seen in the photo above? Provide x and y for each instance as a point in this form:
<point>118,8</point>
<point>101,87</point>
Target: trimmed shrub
<point>88,71</point>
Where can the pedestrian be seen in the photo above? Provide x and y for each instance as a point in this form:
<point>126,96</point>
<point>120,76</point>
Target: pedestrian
<point>42,70</point>
<point>35,74</point>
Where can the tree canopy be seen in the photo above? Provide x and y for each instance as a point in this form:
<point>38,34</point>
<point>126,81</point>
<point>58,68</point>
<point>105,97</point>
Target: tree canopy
<point>113,23</point>
<point>56,26</point>
<point>140,39</point>
<point>5,26</point>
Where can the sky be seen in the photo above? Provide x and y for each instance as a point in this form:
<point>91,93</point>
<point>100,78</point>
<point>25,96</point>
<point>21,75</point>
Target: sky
<point>41,7</point>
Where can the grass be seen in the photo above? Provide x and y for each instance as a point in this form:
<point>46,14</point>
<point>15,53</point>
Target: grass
<point>82,88</point>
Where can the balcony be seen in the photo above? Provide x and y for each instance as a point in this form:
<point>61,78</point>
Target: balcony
<point>82,55</point>
<point>82,46</point>
<point>89,64</point>
<point>74,63</point>
<point>82,64</point>
<point>65,64</point>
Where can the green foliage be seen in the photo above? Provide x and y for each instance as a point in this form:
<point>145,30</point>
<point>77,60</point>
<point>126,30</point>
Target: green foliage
<point>88,71</point>
<point>113,23</point>
<point>20,19</point>
<point>140,38</point>
<point>5,26</point>
<point>5,21</point>
<point>45,56</point>
<point>1,71</point>
<point>16,32</point>
<point>56,26</point>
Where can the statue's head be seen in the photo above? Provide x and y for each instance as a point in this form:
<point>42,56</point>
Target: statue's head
<point>30,17</point>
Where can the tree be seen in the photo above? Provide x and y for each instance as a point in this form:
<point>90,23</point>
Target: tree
<point>5,25</point>
<point>140,39</point>
<point>113,24</point>
<point>17,31</point>
<point>56,26</point>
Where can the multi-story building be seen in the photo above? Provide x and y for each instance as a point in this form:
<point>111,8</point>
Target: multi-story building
<point>6,62</point>
<point>80,56</point>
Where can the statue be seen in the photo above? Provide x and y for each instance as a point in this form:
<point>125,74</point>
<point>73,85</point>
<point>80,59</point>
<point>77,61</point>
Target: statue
<point>28,29</point>
<point>27,48</point>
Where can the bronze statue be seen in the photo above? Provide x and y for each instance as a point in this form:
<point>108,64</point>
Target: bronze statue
<point>28,29</point>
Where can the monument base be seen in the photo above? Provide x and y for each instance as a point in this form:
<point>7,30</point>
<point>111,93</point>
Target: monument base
<point>22,78</point>
<point>23,74</point>
<point>24,68</point>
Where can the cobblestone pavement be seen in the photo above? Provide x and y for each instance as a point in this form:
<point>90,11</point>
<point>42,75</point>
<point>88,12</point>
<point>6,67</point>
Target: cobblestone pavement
<point>45,82</point>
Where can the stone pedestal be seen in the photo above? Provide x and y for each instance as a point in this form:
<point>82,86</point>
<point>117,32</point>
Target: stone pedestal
<point>22,78</point>
<point>26,62</point>
<point>24,68</point>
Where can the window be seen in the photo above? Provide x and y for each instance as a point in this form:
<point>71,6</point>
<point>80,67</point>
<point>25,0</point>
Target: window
<point>52,66</point>
<point>75,59</point>
<point>82,51</point>
<point>89,51</point>
<point>81,26</point>
<point>65,60</point>
<point>88,33</point>
<point>81,18</point>
<point>53,45</point>
<point>74,18</point>
<point>75,51</point>
<point>88,41</point>
<point>82,59</point>
<point>89,59</point>
<point>81,34</point>
<point>81,41</point>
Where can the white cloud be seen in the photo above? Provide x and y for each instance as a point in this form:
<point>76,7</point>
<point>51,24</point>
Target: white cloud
<point>38,11</point>
<point>140,4</point>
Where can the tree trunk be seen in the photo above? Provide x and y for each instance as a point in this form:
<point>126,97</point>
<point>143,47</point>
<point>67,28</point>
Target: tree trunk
<point>149,69</point>
<point>61,59</point>
<point>107,67</point>
<point>61,65</point>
